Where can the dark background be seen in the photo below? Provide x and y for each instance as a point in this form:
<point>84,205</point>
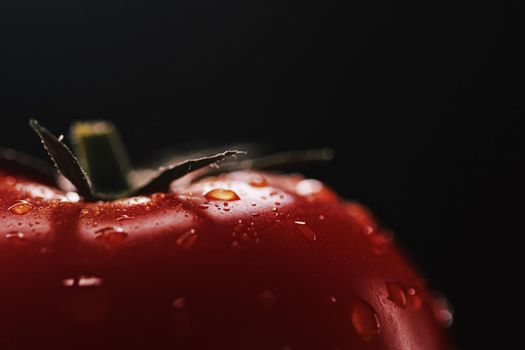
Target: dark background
<point>420,101</point>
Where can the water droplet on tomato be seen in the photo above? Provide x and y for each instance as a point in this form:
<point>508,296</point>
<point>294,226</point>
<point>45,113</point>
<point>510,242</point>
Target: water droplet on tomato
<point>364,319</point>
<point>124,217</point>
<point>306,230</point>
<point>414,298</point>
<point>11,181</point>
<point>380,242</point>
<point>308,187</point>
<point>83,281</point>
<point>187,239</point>
<point>333,299</point>
<point>258,181</point>
<point>89,281</point>
<point>179,303</point>
<point>321,217</point>
<point>443,312</point>
<point>220,194</point>
<point>16,237</point>
<point>84,299</point>
<point>396,294</point>
<point>72,197</point>
<point>158,196</point>
<point>111,236</point>
<point>20,208</point>
<point>267,299</point>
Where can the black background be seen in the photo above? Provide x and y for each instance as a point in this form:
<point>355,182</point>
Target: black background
<point>420,101</point>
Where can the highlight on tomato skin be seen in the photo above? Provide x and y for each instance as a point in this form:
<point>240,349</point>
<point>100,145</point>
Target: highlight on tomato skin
<point>244,259</point>
<point>275,267</point>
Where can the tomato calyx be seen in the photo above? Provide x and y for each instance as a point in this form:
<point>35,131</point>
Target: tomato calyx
<point>69,165</point>
<point>99,169</point>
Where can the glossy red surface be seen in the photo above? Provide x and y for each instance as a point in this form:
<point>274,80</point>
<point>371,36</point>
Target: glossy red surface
<point>272,262</point>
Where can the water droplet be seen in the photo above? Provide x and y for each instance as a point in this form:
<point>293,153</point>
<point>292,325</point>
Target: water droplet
<point>180,317</point>
<point>306,230</point>
<point>443,312</point>
<point>360,214</point>
<point>308,187</point>
<point>258,181</point>
<point>89,281</point>
<point>187,239</point>
<point>368,230</point>
<point>364,319</point>
<point>83,281</point>
<point>321,217</point>
<point>277,203</point>
<point>255,214</point>
<point>111,236</point>
<point>124,217</point>
<point>16,237</point>
<point>20,208</point>
<point>220,194</point>
<point>267,299</point>
<point>414,298</point>
<point>380,242</point>
<point>253,204</point>
<point>203,206</point>
<point>158,196</point>
<point>72,197</point>
<point>11,181</point>
<point>179,303</point>
<point>396,294</point>
<point>226,209</point>
<point>61,137</point>
<point>333,299</point>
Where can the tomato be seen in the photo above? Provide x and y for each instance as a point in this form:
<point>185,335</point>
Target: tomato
<point>241,260</point>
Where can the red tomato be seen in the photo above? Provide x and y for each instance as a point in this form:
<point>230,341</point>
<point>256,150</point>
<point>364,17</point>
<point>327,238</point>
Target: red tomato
<point>245,260</point>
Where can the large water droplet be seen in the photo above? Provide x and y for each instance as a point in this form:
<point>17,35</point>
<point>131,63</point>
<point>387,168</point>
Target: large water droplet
<point>180,317</point>
<point>306,230</point>
<point>220,194</point>
<point>258,181</point>
<point>158,196</point>
<point>83,281</point>
<point>308,187</point>
<point>414,298</point>
<point>396,294</point>
<point>443,312</point>
<point>16,237</point>
<point>187,239</point>
<point>364,319</point>
<point>84,300</point>
<point>111,236</point>
<point>179,303</point>
<point>11,181</point>
<point>380,241</point>
<point>20,208</point>
<point>267,299</point>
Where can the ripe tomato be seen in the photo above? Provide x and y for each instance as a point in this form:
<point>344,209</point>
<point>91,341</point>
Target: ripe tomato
<point>243,260</point>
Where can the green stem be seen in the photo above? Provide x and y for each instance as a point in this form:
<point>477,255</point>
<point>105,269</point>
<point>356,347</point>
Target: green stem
<point>102,155</point>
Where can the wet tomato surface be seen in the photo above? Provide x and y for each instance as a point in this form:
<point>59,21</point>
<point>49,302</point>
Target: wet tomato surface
<point>244,260</point>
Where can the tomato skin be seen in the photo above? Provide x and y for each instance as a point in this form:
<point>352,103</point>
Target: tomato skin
<point>286,265</point>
